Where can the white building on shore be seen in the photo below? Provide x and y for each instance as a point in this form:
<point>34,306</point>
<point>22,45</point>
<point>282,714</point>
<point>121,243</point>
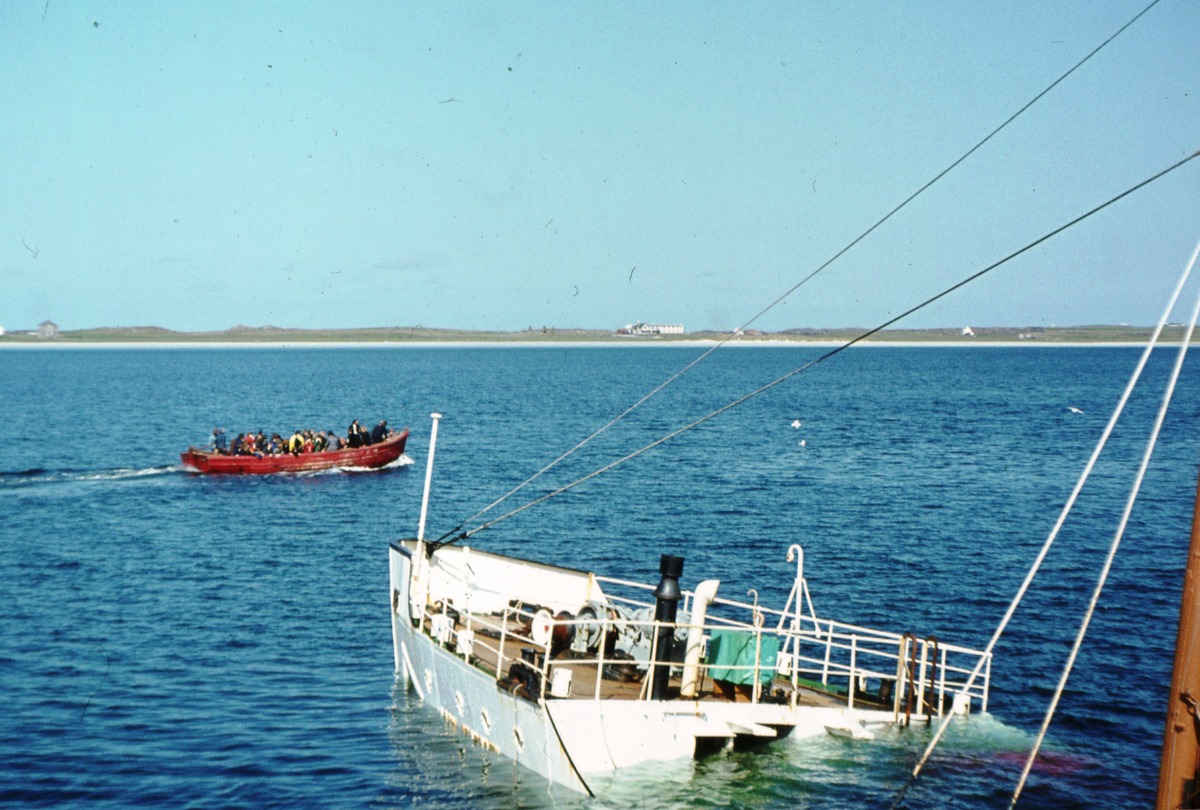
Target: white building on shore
<point>641,328</point>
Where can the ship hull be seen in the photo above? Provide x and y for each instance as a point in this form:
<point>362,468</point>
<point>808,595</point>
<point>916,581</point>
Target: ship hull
<point>576,742</point>
<point>468,699</point>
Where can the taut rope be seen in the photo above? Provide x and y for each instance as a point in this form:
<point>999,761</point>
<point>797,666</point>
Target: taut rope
<point>826,356</point>
<point>799,284</point>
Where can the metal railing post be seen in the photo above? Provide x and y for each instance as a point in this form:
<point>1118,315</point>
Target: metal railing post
<point>545,670</point>
<point>921,676</point>
<point>600,657</point>
<point>987,683</point>
<point>853,678</point>
<point>503,637</point>
<point>828,651</point>
<point>942,684</point>
<point>757,693</point>
<point>910,674</point>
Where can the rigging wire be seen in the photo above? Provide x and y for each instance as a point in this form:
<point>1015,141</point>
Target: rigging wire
<point>1116,542</point>
<point>945,171</point>
<point>1083,477</point>
<point>830,353</point>
<point>799,284</point>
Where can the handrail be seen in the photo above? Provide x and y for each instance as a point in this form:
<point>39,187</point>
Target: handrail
<point>909,679</point>
<point>840,652</point>
<point>839,629</point>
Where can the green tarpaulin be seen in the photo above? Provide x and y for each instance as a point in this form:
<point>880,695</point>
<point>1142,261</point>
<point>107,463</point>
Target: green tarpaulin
<point>735,648</point>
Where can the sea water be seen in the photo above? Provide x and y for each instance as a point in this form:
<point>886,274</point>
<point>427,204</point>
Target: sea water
<point>169,639</point>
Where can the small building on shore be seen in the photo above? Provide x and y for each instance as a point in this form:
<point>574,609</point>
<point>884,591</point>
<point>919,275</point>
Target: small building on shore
<point>47,329</point>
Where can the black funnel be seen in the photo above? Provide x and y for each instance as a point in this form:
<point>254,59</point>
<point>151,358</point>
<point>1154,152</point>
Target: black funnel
<point>666,604</point>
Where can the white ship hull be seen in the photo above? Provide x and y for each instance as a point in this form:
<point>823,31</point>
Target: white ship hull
<point>571,738</point>
<point>468,698</point>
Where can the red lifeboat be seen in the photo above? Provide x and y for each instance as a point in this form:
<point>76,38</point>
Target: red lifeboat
<point>371,456</point>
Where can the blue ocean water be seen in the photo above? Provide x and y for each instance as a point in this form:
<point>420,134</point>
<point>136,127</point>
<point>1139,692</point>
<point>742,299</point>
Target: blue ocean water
<point>184,641</point>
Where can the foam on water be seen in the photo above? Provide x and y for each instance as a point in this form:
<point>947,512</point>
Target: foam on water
<point>402,461</point>
<point>40,477</point>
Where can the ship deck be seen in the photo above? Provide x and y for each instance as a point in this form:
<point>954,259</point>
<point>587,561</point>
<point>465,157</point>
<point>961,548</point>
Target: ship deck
<point>622,680</point>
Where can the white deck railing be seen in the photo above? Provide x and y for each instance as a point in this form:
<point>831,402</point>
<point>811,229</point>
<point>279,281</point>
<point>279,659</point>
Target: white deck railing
<point>914,677</point>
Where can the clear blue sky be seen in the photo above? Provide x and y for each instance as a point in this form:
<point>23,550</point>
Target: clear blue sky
<point>199,165</point>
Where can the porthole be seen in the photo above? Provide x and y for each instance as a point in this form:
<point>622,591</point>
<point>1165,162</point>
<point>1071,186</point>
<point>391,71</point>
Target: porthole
<point>428,679</point>
<point>486,719</point>
<point>459,703</point>
<point>520,739</point>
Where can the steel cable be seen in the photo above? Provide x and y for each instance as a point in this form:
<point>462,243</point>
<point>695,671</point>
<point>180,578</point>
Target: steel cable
<point>1058,524</point>
<point>1116,543</point>
<point>833,352</point>
<point>799,284</point>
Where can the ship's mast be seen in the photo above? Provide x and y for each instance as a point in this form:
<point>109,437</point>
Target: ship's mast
<point>1178,785</point>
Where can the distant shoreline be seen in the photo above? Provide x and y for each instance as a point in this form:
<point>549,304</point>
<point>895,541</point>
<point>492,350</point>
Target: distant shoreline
<point>53,345</point>
<point>269,336</point>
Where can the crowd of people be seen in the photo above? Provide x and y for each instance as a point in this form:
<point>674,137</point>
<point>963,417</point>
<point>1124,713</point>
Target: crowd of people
<point>302,441</point>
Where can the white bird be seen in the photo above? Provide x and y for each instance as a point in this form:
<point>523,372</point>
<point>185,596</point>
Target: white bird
<point>796,423</point>
<point>1073,409</point>
<point>802,442</point>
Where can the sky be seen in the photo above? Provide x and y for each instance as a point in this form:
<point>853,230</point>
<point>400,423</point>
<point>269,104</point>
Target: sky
<point>500,166</point>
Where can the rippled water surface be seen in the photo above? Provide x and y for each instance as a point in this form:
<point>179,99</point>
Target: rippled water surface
<point>177,640</point>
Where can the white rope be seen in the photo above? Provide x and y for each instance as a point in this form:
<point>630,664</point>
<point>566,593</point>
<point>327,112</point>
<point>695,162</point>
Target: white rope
<point>809,277</point>
<point>1087,470</point>
<point>1116,542</point>
<point>614,420</point>
<point>853,341</point>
